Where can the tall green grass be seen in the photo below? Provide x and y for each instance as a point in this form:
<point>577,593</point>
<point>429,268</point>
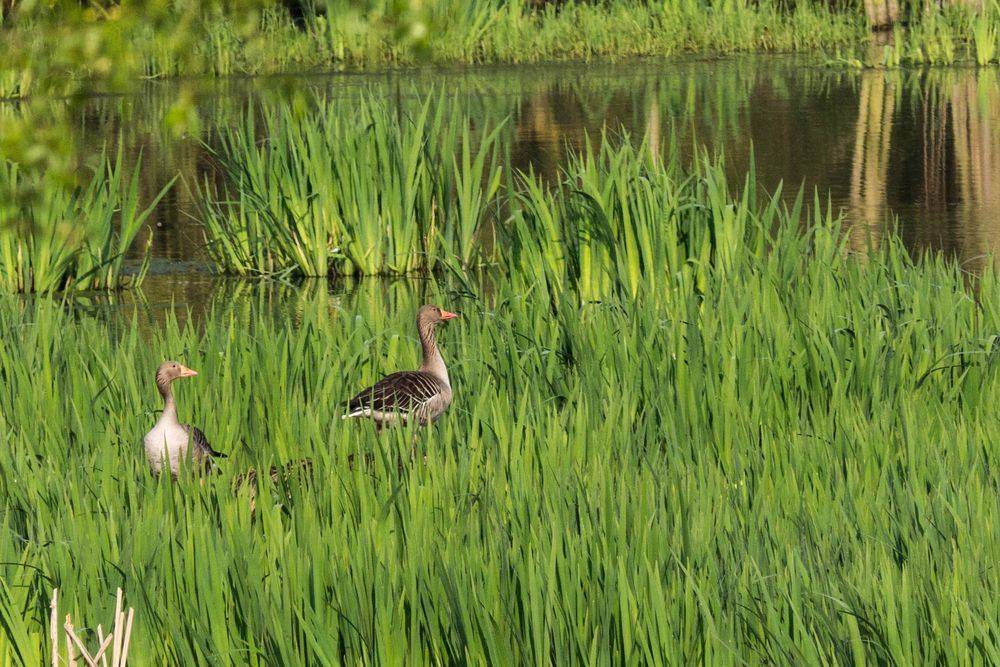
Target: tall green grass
<point>328,193</point>
<point>954,34</point>
<point>370,190</point>
<point>780,450</point>
<point>376,32</point>
<point>187,39</point>
<point>984,33</point>
<point>625,220</point>
<point>341,34</point>
<point>55,239</point>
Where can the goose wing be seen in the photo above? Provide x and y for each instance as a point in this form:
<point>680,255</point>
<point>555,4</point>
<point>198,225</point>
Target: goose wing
<point>202,448</point>
<point>401,392</point>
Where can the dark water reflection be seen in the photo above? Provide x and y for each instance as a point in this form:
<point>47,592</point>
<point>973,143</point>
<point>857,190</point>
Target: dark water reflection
<point>190,298</point>
<point>921,145</point>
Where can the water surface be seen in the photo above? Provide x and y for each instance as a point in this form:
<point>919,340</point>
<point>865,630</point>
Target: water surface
<point>915,151</point>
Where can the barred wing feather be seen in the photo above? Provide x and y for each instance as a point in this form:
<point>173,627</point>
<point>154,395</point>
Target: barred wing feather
<point>401,392</point>
<point>202,448</point>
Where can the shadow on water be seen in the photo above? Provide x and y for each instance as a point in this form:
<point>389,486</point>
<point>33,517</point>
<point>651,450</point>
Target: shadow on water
<point>918,151</point>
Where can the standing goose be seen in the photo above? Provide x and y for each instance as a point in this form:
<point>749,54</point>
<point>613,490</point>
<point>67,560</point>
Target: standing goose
<point>169,439</point>
<point>423,394</point>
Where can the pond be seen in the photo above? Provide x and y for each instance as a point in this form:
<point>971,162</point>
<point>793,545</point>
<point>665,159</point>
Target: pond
<point>917,151</point>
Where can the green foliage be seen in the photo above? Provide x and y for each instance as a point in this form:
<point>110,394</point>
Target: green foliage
<point>935,43</point>
<point>72,240</point>
<point>984,34</point>
<point>374,191</point>
<point>780,452</point>
<point>157,38</point>
<point>65,48</point>
<point>373,195</point>
<point>623,220</point>
<point>55,52</point>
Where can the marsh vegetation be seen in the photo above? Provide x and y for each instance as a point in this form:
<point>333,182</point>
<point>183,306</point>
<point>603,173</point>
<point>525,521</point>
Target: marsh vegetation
<point>698,415</point>
<point>775,449</point>
<point>690,423</point>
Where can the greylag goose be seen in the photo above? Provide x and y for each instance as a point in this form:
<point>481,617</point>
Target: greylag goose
<point>168,441</point>
<point>423,394</point>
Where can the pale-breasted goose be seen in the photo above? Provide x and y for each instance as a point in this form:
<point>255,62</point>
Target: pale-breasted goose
<point>422,394</point>
<point>168,441</point>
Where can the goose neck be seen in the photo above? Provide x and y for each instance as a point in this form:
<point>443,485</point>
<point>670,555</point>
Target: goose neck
<point>169,404</point>
<point>433,362</point>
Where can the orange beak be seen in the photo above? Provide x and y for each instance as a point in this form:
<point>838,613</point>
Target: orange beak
<point>445,315</point>
<point>187,372</point>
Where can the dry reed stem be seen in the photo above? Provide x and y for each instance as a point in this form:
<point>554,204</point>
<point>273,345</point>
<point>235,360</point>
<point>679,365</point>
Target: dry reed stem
<point>79,644</point>
<point>120,637</point>
<point>128,636</point>
<point>102,653</point>
<point>116,654</point>
<point>70,658</point>
<point>54,627</point>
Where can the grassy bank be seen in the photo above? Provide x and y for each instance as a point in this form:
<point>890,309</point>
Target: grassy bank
<point>511,31</point>
<point>189,40</point>
<point>494,31</point>
<point>772,449</point>
<point>184,39</point>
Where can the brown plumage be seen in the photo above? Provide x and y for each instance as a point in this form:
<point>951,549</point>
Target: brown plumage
<point>280,478</point>
<point>423,394</point>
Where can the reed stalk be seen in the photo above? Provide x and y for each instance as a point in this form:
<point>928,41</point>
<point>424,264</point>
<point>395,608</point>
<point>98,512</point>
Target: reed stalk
<point>70,240</point>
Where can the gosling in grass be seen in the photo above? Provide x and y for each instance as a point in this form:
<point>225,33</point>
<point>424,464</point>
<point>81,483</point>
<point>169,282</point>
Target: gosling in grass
<point>281,477</point>
<point>169,441</point>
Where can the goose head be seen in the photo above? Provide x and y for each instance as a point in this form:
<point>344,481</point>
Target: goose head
<point>429,315</point>
<point>170,371</point>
